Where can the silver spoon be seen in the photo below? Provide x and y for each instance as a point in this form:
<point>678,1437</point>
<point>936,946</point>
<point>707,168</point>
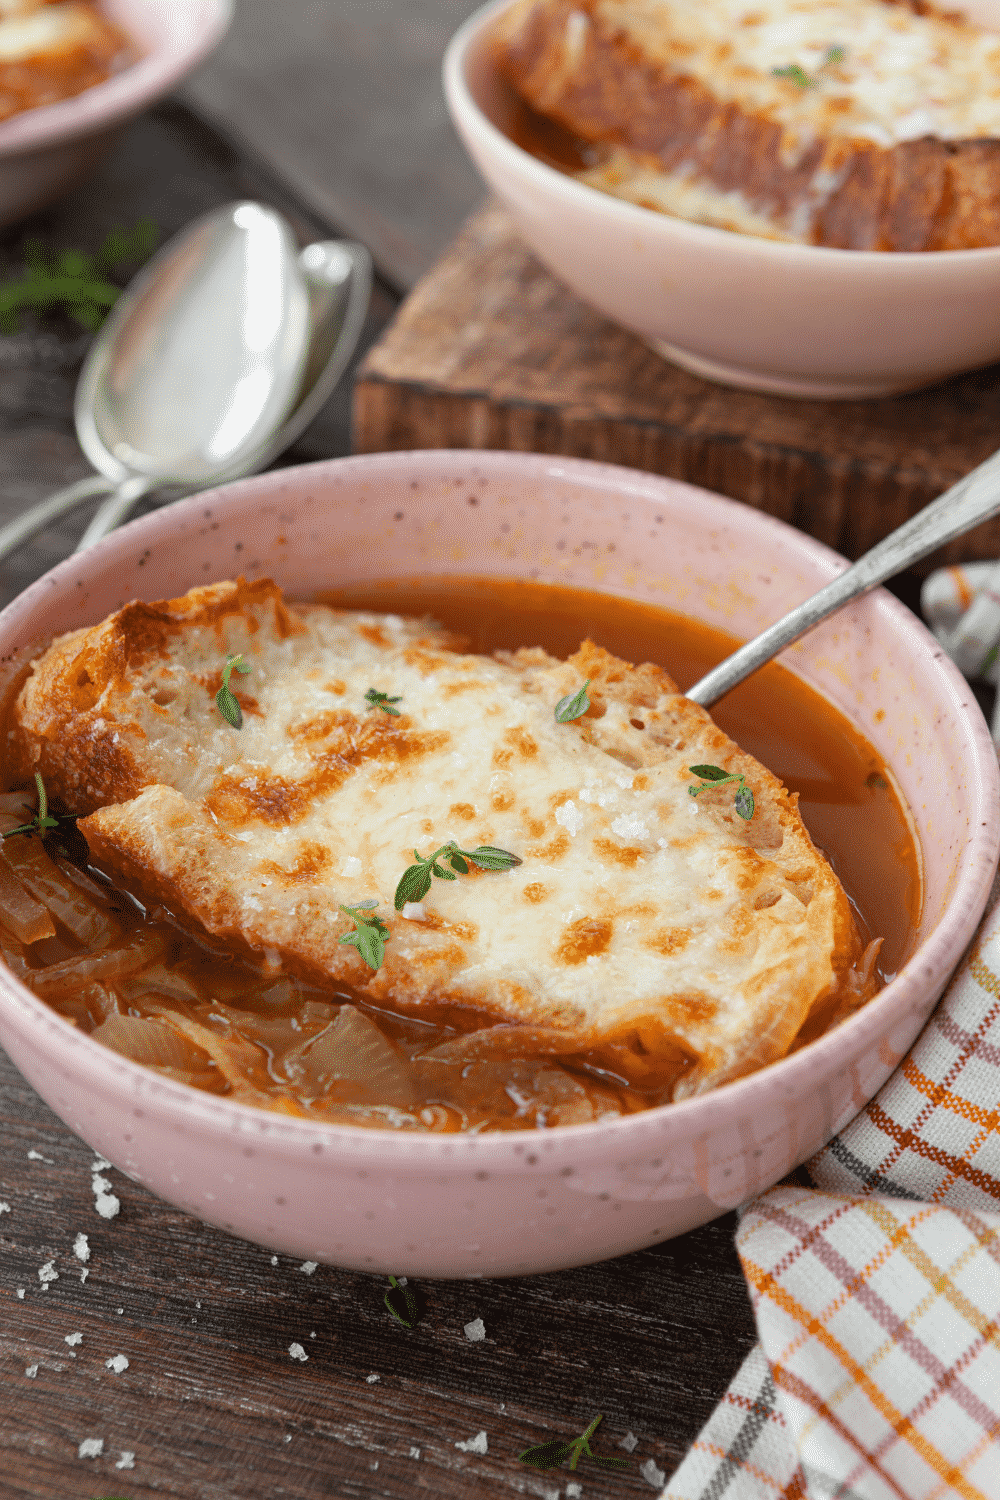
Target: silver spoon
<point>974,499</point>
<point>228,310</point>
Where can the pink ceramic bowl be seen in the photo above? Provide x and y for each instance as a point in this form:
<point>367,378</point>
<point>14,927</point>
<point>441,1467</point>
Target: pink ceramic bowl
<point>797,320</point>
<point>44,152</point>
<point>513,1203</point>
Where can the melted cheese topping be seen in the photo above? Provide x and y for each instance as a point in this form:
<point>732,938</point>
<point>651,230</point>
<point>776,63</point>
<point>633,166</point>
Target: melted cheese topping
<point>640,916</point>
<point>874,70</point>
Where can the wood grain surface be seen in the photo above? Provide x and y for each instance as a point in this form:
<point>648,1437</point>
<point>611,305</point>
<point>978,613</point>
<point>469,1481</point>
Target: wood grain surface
<point>490,351</point>
<point>211,1404</point>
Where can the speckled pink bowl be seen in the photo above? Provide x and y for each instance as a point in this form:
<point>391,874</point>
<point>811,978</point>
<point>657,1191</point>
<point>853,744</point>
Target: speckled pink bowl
<point>516,1203</point>
<point>44,152</point>
<point>800,320</point>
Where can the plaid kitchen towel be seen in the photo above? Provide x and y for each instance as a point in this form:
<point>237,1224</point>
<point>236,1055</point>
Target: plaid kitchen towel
<point>877,1291</point>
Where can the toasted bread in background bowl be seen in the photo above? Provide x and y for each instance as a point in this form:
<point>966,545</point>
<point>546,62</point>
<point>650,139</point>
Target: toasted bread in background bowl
<point>519,1202</point>
<point>45,152</point>
<point>792,319</point>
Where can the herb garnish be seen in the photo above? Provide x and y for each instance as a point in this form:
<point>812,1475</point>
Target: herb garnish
<point>370,933</point>
<point>405,1301</point>
<point>573,706</point>
<point>415,881</point>
<point>553,1455</point>
<point>382,700</point>
<point>225,698</point>
<point>41,820</point>
<point>798,75</point>
<point>73,279</point>
<point>716,776</point>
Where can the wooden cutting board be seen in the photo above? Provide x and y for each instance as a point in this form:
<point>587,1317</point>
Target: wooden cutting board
<point>490,351</point>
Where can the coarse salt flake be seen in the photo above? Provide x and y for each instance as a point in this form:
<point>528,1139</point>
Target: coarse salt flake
<point>73,1339</point>
<point>573,1490</point>
<point>413,911</point>
<point>81,1247</point>
<point>308,1267</point>
<point>477,1444</point>
<point>107,1205</point>
<point>297,1352</point>
<point>31,1371</point>
<point>629,1442</point>
<point>20,1293</point>
<point>352,867</point>
<point>652,1475</point>
<point>127,1460</point>
<point>91,1448</point>
<point>118,1363</point>
<point>37,1156</point>
<point>475,1331</point>
<point>48,1273</point>
<point>569,816</point>
<point>4,1208</point>
<point>372,1379</point>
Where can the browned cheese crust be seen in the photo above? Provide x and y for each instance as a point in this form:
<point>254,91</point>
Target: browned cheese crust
<point>925,194</point>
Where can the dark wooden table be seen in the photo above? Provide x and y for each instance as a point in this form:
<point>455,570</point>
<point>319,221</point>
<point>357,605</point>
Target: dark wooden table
<point>211,1406</point>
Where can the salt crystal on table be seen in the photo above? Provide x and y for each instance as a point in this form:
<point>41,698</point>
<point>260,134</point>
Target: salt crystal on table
<point>48,1273</point>
<point>573,1490</point>
<point>629,1442</point>
<point>119,1364</point>
<point>127,1460</point>
<point>4,1208</point>
<point>73,1339</point>
<point>651,1474</point>
<point>31,1371</point>
<point>477,1444</point>
<point>414,1452</point>
<point>20,1293</point>
<point>37,1156</point>
<point>297,1352</point>
<point>308,1267</point>
<point>91,1448</point>
<point>475,1331</point>
<point>371,1379</point>
<point>81,1249</point>
<point>274,1260</point>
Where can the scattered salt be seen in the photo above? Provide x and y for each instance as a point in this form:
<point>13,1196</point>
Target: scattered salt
<point>105,1202</point>
<point>477,1444</point>
<point>297,1352</point>
<point>72,1339</point>
<point>119,1364</point>
<point>652,1475</point>
<point>371,1379</point>
<point>4,1208</point>
<point>573,1490</point>
<point>308,1267</point>
<point>127,1460</point>
<point>100,1164</point>
<point>414,1452</point>
<point>91,1448</point>
<point>31,1371</point>
<point>693,808</point>
<point>629,1442</point>
<point>274,1260</point>
<point>630,826</point>
<point>413,911</point>
<point>570,817</point>
<point>48,1273</point>
<point>37,1156</point>
<point>20,1293</point>
<point>83,1275</point>
<point>352,867</point>
<point>475,1331</point>
<point>81,1249</point>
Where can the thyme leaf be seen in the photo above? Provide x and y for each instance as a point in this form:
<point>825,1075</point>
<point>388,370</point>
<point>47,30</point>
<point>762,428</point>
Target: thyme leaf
<point>225,699</point>
<point>73,279</point>
<point>399,1300</point>
<point>382,700</point>
<point>716,776</point>
<point>41,820</point>
<point>415,881</point>
<point>370,933</point>
<point>573,706</point>
<point>553,1455</point>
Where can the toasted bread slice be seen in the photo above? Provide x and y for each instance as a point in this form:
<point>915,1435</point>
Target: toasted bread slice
<point>689,941</point>
<point>859,124</point>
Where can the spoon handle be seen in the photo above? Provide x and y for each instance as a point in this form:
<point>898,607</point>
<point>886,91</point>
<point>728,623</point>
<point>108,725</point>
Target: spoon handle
<point>114,509</point>
<point>972,500</point>
<point>37,517</point>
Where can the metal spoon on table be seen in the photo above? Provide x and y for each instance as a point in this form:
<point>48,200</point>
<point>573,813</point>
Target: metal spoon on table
<point>215,359</point>
<point>974,499</point>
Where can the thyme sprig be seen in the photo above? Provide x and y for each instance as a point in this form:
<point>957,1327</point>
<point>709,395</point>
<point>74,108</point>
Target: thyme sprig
<point>225,699</point>
<point>793,73</point>
<point>375,699</point>
<point>41,820</point>
<point>553,1455</point>
<point>716,776</point>
<point>399,1300</point>
<point>415,880</point>
<point>370,933</point>
<point>73,279</point>
<point>573,706</point>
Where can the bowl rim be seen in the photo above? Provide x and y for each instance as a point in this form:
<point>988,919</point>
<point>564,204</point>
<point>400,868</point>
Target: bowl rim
<point>929,967</point>
<point>114,99</point>
<point>631,217</point>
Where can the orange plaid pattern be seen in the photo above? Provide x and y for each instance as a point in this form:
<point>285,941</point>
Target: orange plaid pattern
<point>877,1297</point>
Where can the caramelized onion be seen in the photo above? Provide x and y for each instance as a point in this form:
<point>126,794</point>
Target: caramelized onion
<point>153,1042</point>
<point>146,948</point>
<point>95,928</point>
<point>353,1051</point>
<point>20,913</point>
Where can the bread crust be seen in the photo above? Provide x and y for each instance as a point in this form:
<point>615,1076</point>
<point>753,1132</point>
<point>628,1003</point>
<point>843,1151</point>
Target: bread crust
<point>837,190</point>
